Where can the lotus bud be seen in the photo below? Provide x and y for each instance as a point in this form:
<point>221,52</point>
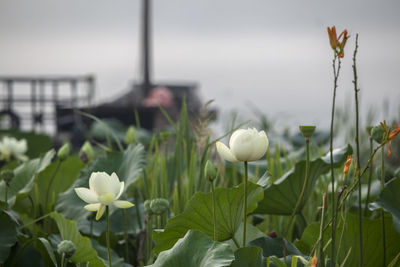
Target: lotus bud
<point>130,136</point>
<point>63,152</point>
<point>377,133</point>
<point>164,136</point>
<point>244,145</point>
<point>7,176</point>
<point>86,153</point>
<point>67,247</point>
<point>210,171</point>
<point>146,205</point>
<point>159,205</point>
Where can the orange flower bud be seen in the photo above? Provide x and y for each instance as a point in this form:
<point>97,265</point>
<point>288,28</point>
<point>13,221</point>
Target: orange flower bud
<point>347,164</point>
<point>392,135</point>
<point>314,261</point>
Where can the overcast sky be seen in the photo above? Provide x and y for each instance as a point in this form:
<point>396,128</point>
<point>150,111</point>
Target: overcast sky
<point>271,54</point>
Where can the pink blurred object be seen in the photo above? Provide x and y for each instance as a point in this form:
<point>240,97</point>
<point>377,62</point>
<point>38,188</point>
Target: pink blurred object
<point>159,96</point>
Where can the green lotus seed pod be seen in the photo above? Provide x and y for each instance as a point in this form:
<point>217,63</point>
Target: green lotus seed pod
<point>67,247</point>
<point>64,151</point>
<point>146,205</point>
<point>377,134</point>
<point>307,130</point>
<point>164,136</point>
<point>159,205</point>
<point>7,176</point>
<point>130,136</point>
<point>210,171</point>
<point>86,153</point>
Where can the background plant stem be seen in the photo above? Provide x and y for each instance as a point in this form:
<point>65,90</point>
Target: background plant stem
<point>214,210</point>
<point>51,182</point>
<point>303,190</point>
<point>382,211</point>
<point>336,75</point>
<point>358,152</point>
<point>369,177</point>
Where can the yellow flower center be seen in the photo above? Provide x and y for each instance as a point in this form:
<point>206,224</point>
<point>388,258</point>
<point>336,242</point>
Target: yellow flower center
<point>107,198</point>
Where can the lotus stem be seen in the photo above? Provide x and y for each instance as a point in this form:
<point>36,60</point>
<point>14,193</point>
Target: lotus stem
<point>62,259</point>
<point>125,235</point>
<point>214,210</point>
<point>321,259</point>
<point>108,235</point>
<point>303,189</point>
<point>358,152</point>
<point>382,211</point>
<point>369,177</point>
<point>245,204</point>
<point>51,182</point>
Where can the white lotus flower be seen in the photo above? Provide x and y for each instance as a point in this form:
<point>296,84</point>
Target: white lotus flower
<point>244,145</point>
<point>103,190</point>
<point>12,148</point>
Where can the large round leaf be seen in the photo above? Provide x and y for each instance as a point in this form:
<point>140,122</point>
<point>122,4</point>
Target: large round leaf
<point>350,241</point>
<point>275,247</point>
<point>8,235</point>
<point>198,215</point>
<point>389,200</point>
<point>281,197</point>
<point>196,249</point>
<point>249,257</point>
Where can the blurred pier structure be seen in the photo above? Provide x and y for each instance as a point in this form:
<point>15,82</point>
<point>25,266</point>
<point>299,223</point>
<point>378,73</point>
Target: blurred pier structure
<point>32,102</point>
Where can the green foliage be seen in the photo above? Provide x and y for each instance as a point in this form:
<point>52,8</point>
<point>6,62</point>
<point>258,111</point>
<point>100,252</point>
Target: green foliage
<point>281,197</point>
<point>249,257</point>
<point>195,249</point>
<point>84,250</point>
<point>8,235</point>
<point>127,165</point>
<point>389,200</point>
<point>349,241</point>
<point>24,178</point>
<point>198,215</point>
<point>275,247</point>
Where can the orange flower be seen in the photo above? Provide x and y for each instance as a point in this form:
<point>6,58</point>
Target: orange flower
<point>347,164</point>
<point>314,261</point>
<point>392,135</point>
<point>336,44</point>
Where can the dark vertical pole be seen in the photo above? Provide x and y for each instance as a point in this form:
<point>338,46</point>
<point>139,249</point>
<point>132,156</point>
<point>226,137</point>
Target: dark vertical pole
<point>55,105</point>
<point>146,86</point>
<point>41,104</point>
<point>90,95</point>
<point>74,98</point>
<point>33,104</point>
<point>9,95</point>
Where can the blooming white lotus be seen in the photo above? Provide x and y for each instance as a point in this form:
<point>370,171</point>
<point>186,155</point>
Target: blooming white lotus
<point>103,190</point>
<point>244,145</point>
<point>12,148</point>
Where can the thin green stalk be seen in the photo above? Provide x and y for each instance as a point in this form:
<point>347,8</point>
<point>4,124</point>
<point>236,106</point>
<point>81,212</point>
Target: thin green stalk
<point>51,182</point>
<point>108,235</point>
<point>5,195</point>
<point>333,238</point>
<point>214,210</point>
<point>382,212</point>
<point>369,177</point>
<point>158,221</point>
<point>62,259</point>
<point>236,242</point>
<point>125,235</point>
<point>356,90</point>
<point>138,215</point>
<point>321,259</point>
<point>303,190</point>
<point>245,204</point>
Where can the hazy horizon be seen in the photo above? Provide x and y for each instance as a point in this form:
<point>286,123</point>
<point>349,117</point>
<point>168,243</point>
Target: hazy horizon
<point>273,55</point>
